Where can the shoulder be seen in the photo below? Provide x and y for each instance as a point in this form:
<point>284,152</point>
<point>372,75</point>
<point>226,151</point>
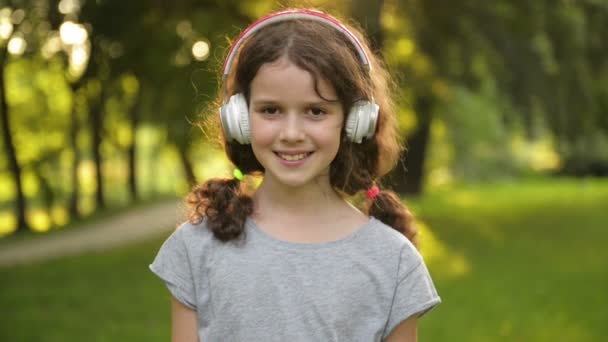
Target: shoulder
<point>389,236</point>
<point>394,240</point>
<point>194,237</point>
<point>189,230</point>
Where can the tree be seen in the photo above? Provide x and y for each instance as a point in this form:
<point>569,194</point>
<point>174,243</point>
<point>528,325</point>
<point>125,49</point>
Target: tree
<point>11,17</point>
<point>9,148</point>
<point>408,176</point>
<point>544,57</point>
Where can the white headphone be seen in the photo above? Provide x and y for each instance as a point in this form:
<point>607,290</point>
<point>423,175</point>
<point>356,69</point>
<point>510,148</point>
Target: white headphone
<point>234,114</point>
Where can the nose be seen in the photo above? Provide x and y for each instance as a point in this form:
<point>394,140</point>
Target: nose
<point>292,129</point>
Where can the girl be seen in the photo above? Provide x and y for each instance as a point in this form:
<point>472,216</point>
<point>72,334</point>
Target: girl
<point>306,105</point>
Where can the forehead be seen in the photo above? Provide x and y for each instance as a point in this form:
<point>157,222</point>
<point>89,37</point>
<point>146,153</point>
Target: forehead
<point>285,80</point>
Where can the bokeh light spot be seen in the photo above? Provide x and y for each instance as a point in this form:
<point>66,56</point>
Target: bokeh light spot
<point>8,223</point>
<point>200,50</point>
<point>39,220</point>
<point>16,46</point>
<point>72,33</point>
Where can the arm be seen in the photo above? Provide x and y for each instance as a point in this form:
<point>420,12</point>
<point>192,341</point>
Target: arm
<point>183,322</point>
<point>405,331</point>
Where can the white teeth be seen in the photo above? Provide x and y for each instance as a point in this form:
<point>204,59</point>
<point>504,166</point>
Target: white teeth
<point>293,157</point>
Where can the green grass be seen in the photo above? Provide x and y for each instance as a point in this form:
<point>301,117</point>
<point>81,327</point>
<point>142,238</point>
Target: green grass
<point>512,261</point>
<point>94,297</point>
<point>535,256</point>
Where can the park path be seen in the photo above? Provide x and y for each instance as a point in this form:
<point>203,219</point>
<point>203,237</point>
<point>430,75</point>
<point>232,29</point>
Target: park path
<point>131,226</point>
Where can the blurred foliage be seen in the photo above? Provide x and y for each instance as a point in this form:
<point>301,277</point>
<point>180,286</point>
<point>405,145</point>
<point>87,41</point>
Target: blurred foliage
<point>102,95</point>
<point>478,135</point>
<point>539,67</point>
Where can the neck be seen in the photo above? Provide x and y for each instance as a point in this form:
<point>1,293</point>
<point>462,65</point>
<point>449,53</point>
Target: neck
<point>301,201</point>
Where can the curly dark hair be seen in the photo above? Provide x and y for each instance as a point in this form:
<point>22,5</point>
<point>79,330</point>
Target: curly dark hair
<point>327,55</point>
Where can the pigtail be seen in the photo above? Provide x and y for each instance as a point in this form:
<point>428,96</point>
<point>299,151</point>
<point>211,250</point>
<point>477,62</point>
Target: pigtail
<point>388,208</point>
<point>223,204</point>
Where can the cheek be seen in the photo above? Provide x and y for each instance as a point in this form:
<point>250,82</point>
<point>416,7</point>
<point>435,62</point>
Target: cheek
<point>330,137</point>
<point>261,133</point>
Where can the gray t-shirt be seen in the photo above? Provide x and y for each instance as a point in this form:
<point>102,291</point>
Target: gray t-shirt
<point>357,288</point>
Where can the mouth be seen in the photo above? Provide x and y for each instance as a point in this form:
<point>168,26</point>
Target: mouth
<point>292,157</point>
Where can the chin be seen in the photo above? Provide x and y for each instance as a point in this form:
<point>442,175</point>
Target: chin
<point>298,182</point>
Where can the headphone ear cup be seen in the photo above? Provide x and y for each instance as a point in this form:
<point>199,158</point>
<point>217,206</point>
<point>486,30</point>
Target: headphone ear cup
<point>234,116</point>
<point>351,125</point>
<point>361,121</point>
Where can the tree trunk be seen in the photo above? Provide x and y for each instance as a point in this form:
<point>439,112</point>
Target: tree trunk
<point>74,196</point>
<point>187,165</point>
<point>367,14</point>
<point>47,197</point>
<point>96,132</point>
<point>408,176</point>
<point>9,147</point>
<point>135,115</point>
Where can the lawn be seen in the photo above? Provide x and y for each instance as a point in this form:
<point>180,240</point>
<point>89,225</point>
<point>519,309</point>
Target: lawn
<point>95,297</point>
<point>512,261</point>
<point>518,261</point>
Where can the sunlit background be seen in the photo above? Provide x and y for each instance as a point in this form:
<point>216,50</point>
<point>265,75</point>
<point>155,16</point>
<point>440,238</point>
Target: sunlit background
<point>503,107</point>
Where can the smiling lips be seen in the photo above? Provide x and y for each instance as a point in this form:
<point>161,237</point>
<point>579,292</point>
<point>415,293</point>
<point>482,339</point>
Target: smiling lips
<point>293,156</point>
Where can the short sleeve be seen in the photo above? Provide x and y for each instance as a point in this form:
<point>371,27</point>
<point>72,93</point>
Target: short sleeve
<point>172,264</point>
<point>415,293</point>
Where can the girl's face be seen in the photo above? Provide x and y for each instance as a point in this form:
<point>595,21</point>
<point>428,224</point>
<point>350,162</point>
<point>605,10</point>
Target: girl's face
<point>295,133</point>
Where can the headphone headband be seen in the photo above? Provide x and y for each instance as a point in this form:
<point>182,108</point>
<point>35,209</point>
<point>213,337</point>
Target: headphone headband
<point>290,15</point>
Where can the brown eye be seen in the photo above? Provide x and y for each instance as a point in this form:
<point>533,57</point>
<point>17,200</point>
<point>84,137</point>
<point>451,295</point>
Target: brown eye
<point>269,110</point>
<point>316,111</point>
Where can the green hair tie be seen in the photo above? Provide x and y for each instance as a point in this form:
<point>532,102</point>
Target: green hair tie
<point>238,174</point>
